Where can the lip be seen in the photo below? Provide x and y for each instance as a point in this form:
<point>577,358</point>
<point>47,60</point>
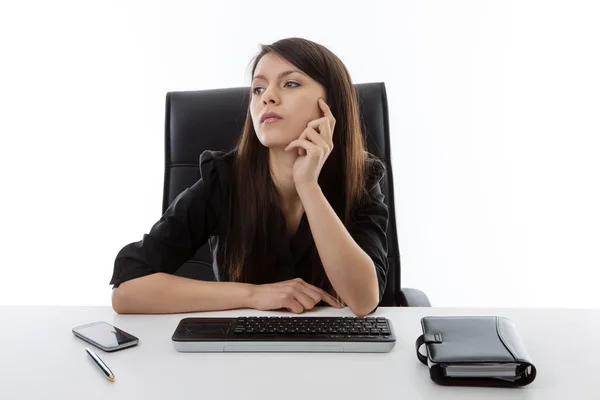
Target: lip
<point>271,120</point>
<point>268,115</point>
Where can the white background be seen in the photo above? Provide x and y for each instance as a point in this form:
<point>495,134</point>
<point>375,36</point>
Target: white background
<point>493,114</point>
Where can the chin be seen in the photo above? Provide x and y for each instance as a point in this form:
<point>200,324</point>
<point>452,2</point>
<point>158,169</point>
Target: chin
<point>272,140</point>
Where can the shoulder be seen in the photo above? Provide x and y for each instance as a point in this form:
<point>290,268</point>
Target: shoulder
<point>215,175</point>
<point>375,171</point>
<point>216,167</point>
<point>216,159</point>
<point>373,198</point>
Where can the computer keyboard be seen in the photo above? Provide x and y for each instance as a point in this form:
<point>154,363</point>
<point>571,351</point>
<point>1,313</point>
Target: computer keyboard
<point>322,334</point>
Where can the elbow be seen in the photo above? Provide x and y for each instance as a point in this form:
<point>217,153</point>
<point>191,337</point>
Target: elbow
<point>365,306</point>
<point>133,296</point>
<point>362,310</point>
<point>365,300</point>
<point>119,301</point>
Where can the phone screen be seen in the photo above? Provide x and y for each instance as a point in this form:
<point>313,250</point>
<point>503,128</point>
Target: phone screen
<point>105,334</point>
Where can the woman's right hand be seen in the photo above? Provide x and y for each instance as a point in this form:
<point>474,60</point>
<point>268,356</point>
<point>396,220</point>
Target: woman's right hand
<point>296,295</point>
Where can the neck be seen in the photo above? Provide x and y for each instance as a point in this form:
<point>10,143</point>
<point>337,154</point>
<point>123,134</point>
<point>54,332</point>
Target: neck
<point>281,165</point>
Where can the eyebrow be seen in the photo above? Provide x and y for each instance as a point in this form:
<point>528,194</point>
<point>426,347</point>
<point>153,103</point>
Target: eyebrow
<point>281,75</point>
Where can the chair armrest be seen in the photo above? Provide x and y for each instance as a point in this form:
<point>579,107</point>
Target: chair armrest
<point>413,298</point>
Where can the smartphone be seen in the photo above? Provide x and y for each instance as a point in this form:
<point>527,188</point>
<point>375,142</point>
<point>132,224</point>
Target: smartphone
<point>105,336</point>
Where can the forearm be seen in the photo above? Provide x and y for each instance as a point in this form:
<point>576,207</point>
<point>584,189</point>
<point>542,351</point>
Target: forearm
<point>349,269</point>
<point>162,293</point>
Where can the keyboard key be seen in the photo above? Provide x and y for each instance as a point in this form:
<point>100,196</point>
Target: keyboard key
<point>315,328</point>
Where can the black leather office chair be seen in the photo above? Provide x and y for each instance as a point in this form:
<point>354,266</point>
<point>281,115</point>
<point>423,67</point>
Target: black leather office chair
<point>213,119</point>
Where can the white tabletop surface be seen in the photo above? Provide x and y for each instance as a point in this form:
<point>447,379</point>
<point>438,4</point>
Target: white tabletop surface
<point>41,359</point>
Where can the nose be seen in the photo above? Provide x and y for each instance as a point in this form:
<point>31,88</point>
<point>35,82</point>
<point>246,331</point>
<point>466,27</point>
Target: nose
<point>269,96</point>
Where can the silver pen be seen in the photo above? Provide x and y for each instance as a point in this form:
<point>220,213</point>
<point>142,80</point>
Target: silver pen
<point>103,367</point>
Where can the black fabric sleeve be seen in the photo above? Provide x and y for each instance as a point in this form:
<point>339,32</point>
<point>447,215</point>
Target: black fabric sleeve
<point>368,226</point>
<point>183,228</point>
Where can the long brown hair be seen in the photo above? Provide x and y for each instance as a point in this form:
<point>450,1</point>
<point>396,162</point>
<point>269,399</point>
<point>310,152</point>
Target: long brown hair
<point>248,248</point>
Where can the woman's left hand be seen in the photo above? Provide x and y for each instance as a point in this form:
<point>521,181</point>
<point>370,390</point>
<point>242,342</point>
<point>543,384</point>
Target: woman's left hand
<point>314,146</point>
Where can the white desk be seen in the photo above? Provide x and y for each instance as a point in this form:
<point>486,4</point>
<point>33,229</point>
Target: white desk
<point>41,359</point>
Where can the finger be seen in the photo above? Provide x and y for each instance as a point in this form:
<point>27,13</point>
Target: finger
<point>311,149</point>
<point>332,301</point>
<point>308,290</point>
<point>316,123</point>
<point>324,129</point>
<point>323,295</point>
<point>311,290</point>
<point>302,152</point>
<point>308,303</point>
<point>302,136</point>
<point>293,305</point>
<point>319,140</point>
<point>327,112</point>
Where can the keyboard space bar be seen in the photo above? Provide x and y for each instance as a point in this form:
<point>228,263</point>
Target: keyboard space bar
<point>276,347</point>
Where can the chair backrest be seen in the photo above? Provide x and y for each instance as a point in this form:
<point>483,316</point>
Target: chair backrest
<point>213,119</point>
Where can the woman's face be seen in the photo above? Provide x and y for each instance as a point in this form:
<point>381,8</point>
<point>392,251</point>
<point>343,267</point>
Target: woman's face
<point>294,96</point>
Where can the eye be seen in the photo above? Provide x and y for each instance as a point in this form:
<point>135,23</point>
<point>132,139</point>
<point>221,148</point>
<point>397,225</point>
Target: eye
<point>258,87</point>
<point>295,83</point>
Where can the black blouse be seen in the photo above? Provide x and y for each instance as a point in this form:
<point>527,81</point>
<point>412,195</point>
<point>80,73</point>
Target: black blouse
<point>192,219</point>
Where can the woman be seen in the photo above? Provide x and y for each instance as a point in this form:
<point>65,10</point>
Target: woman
<point>294,214</point>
